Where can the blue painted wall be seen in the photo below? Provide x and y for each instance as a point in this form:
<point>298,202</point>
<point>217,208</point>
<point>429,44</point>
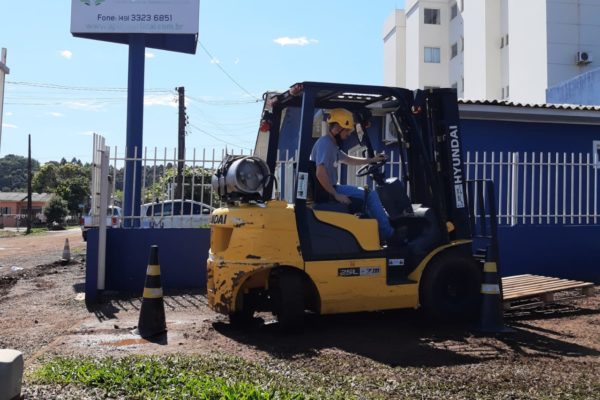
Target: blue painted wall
<point>583,89</point>
<point>182,255</point>
<point>487,135</point>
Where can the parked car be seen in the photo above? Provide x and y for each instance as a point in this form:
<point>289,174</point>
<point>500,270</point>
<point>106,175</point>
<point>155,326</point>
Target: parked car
<point>171,214</point>
<point>114,215</point>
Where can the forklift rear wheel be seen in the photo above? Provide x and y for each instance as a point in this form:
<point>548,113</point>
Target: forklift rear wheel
<point>451,288</point>
<point>289,307</point>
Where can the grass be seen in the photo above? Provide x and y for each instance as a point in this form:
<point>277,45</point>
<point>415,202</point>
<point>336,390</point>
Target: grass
<point>178,377</point>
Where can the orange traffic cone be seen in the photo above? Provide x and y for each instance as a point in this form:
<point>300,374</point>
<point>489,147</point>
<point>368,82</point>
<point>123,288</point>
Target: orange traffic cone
<point>152,313</point>
<point>66,254</point>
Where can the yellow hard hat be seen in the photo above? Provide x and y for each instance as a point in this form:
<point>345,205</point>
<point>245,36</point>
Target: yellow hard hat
<point>342,116</point>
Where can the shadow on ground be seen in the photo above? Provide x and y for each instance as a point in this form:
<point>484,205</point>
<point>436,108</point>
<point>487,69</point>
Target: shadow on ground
<point>403,338</point>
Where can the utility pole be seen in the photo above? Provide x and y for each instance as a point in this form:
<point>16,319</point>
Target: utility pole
<point>29,185</point>
<point>180,145</point>
<point>3,71</point>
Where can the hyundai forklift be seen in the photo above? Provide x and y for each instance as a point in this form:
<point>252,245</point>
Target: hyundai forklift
<point>305,254</point>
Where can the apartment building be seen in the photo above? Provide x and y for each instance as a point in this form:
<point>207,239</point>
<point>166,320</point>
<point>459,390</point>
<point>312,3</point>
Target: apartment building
<point>491,49</point>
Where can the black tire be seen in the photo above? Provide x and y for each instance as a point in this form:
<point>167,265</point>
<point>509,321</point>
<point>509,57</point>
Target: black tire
<point>450,289</point>
<point>244,316</point>
<point>241,318</point>
<point>289,302</point>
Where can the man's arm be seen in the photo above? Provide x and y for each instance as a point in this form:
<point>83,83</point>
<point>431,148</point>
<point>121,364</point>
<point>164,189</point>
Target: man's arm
<point>323,179</point>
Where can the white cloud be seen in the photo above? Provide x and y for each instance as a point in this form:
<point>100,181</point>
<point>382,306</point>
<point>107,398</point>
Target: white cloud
<point>215,61</point>
<point>236,61</point>
<point>86,105</point>
<point>56,114</point>
<point>66,54</point>
<point>10,126</point>
<point>297,41</point>
<point>167,100</point>
<point>86,133</point>
<point>150,55</point>
<point>8,114</point>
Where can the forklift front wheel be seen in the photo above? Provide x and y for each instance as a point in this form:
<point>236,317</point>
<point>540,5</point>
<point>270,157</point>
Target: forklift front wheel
<point>289,301</point>
<point>450,288</point>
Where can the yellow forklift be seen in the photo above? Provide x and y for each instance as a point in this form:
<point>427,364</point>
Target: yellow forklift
<point>307,253</point>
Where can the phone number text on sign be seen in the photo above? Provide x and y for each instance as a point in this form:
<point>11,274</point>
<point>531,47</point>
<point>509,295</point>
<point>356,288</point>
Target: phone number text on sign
<point>136,18</point>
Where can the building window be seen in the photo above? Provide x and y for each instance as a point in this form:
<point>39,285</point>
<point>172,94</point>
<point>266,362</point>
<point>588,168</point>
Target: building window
<point>503,93</point>
<point>453,11</point>
<point>454,51</point>
<point>462,44</point>
<point>455,85</point>
<point>7,210</point>
<point>507,92</point>
<point>432,55</point>
<point>506,41</point>
<point>462,5</point>
<point>502,42</point>
<point>596,153</point>
<point>432,16</point>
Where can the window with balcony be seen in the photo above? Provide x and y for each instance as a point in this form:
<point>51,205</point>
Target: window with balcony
<point>454,50</point>
<point>453,11</point>
<point>432,55</point>
<point>432,16</point>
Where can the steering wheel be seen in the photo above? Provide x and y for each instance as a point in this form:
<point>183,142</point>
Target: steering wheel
<point>369,169</point>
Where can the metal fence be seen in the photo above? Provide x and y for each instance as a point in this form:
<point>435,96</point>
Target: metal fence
<point>531,188</point>
<point>540,188</point>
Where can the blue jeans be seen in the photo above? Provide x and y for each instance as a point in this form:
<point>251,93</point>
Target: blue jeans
<point>374,207</point>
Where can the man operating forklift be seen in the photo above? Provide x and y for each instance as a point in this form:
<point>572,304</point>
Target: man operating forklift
<point>326,155</point>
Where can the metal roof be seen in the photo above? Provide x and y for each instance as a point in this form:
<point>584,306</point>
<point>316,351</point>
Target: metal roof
<point>530,105</point>
<point>22,196</point>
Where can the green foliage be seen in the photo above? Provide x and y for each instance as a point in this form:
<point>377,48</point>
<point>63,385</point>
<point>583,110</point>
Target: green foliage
<point>46,179</point>
<point>13,173</point>
<point>71,181</point>
<point>56,210</point>
<point>177,377</point>
<point>196,177</point>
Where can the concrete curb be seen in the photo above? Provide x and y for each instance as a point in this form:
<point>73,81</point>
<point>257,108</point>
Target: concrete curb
<point>11,374</point>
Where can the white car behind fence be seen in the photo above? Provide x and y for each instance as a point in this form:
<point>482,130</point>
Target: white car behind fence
<point>171,214</point>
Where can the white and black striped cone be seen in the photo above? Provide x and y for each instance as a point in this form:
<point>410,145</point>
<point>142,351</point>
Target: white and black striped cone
<point>152,313</point>
<point>66,254</point>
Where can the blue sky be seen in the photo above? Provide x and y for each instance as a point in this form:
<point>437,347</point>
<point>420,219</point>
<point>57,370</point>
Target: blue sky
<point>61,89</point>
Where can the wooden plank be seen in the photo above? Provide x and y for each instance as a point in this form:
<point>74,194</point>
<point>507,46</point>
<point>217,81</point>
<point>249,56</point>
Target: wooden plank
<point>528,286</point>
<point>541,290</point>
<point>547,287</point>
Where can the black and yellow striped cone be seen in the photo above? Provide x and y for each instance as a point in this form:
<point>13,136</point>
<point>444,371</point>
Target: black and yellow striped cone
<point>152,314</point>
<point>492,312</point>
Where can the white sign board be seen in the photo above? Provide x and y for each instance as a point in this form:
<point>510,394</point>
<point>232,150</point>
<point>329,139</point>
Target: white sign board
<point>135,16</point>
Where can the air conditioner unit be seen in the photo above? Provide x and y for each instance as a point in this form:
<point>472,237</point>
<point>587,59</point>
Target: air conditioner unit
<point>583,57</point>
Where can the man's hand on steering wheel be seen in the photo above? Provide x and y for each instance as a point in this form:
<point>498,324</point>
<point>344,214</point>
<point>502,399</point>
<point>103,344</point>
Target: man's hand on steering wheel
<point>374,164</point>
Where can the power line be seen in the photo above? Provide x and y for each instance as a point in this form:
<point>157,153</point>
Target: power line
<point>214,137</point>
<point>227,73</point>
<point>85,88</point>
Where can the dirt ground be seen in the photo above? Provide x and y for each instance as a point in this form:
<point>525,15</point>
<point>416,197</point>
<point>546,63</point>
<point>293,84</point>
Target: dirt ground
<point>42,313</point>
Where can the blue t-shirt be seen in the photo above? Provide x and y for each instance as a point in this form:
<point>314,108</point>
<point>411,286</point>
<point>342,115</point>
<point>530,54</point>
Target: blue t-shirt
<point>326,152</point>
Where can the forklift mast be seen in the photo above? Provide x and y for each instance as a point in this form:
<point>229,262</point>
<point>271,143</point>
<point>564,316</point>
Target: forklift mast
<point>435,160</point>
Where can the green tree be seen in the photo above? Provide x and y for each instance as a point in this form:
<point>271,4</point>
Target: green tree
<point>56,211</point>
<point>13,173</point>
<point>70,181</point>
<point>46,179</point>
<point>197,185</point>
